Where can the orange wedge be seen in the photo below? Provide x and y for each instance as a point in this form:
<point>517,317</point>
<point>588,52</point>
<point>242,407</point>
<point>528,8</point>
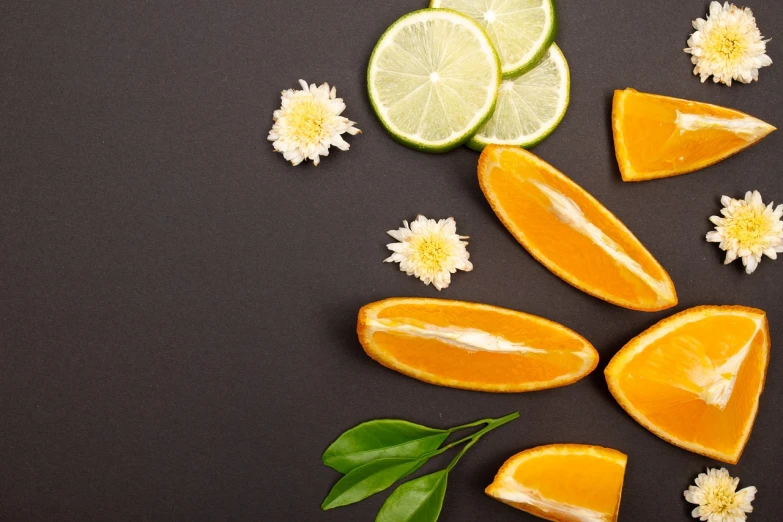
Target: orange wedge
<point>473,346</point>
<point>657,136</point>
<point>570,232</point>
<point>695,378</point>
<point>563,482</point>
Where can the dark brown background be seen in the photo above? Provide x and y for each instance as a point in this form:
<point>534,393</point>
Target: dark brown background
<point>177,303</point>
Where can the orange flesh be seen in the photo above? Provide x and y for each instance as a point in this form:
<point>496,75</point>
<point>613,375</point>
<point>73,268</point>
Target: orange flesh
<point>575,480</point>
<point>411,336</point>
<point>450,362</point>
<point>514,328</point>
<point>654,145</point>
<point>658,381</point>
<point>575,255</point>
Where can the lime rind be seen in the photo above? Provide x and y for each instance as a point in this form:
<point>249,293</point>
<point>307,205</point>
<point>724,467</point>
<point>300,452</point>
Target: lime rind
<point>517,109</point>
<point>448,105</point>
<point>504,36</point>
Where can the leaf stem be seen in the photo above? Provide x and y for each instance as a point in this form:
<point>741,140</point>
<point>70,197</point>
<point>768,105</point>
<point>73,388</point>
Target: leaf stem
<point>446,447</point>
<point>494,423</point>
<point>470,425</point>
<point>505,419</point>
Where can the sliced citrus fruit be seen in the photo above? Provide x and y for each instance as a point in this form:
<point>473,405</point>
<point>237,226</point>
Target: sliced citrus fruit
<point>658,136</point>
<point>473,346</point>
<point>521,30</point>
<point>433,79</point>
<point>695,378</point>
<point>530,107</point>
<point>570,232</point>
<point>563,482</point>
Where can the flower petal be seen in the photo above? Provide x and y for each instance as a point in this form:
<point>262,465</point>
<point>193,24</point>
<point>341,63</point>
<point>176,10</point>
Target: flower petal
<point>731,255</point>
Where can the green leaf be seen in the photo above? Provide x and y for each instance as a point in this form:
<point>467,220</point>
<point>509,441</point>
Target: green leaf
<point>378,439</point>
<point>418,500</point>
<point>369,479</point>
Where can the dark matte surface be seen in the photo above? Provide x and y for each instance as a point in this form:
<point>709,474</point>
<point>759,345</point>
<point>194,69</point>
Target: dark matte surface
<point>177,303</point>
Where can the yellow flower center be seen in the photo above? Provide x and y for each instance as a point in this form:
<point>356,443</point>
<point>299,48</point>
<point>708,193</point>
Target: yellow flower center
<point>721,500</point>
<point>431,252</point>
<point>747,226</point>
<point>307,121</point>
<point>729,44</point>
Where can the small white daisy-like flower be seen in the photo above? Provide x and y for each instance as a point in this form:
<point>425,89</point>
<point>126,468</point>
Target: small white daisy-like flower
<point>717,497</point>
<point>430,250</point>
<point>748,230</point>
<point>309,122</point>
<point>728,45</point>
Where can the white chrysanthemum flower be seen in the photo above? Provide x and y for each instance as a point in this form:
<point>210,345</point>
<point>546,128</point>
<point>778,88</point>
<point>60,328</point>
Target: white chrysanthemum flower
<point>748,229</point>
<point>309,122</point>
<point>719,501</point>
<point>728,45</point>
<point>430,250</point>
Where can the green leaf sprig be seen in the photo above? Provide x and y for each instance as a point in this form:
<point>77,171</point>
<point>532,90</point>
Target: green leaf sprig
<point>376,454</point>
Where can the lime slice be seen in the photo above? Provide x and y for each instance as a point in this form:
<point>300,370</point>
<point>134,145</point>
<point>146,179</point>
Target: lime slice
<point>433,79</point>
<point>521,30</point>
<point>529,108</point>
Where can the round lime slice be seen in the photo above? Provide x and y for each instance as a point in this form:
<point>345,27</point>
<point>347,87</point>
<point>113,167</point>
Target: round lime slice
<point>433,79</point>
<point>530,107</point>
<point>521,30</point>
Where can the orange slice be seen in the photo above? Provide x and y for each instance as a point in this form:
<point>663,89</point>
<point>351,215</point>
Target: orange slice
<point>570,232</point>
<point>473,346</point>
<point>657,136</point>
<point>563,482</point>
<point>695,378</point>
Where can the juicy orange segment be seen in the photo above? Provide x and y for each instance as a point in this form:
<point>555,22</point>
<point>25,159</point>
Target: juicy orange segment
<point>570,232</point>
<point>695,378</point>
<point>473,346</point>
<point>657,136</point>
<point>563,482</point>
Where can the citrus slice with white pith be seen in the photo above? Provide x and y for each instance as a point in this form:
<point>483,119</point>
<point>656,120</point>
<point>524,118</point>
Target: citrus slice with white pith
<point>520,30</point>
<point>659,136</point>
<point>473,346</point>
<point>530,107</point>
<point>563,482</point>
<point>570,232</point>
<point>695,378</point>
<point>433,79</point>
